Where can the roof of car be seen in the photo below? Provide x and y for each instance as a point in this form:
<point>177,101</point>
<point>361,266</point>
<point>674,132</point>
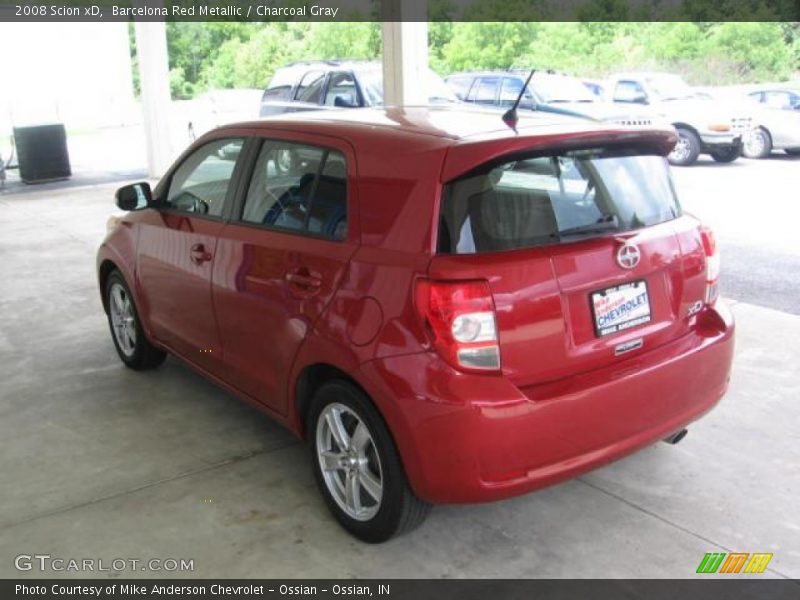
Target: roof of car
<point>641,74</point>
<point>449,123</point>
<point>508,72</point>
<point>470,136</point>
<point>772,88</point>
<point>349,63</point>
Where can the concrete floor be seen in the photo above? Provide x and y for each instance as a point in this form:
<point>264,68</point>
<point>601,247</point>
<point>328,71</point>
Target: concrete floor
<point>101,462</point>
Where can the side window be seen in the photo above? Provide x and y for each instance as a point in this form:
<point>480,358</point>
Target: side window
<point>201,183</point>
<point>277,93</point>
<point>342,91</point>
<point>460,86</point>
<point>486,90</point>
<point>510,90</point>
<point>299,188</point>
<point>629,91</point>
<point>310,88</point>
<point>778,100</point>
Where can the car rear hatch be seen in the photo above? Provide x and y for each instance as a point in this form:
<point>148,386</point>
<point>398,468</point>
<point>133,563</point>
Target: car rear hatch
<point>587,256</point>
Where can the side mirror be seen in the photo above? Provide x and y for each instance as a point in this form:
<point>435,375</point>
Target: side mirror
<point>135,196</point>
<point>344,101</point>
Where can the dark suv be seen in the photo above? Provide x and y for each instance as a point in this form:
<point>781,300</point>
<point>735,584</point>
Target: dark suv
<point>315,85</point>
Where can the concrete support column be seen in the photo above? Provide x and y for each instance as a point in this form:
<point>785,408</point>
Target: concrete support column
<point>405,51</point>
<point>151,49</point>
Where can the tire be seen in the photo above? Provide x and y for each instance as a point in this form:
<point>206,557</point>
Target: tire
<point>386,505</point>
<point>792,151</point>
<point>727,155</point>
<point>686,150</point>
<point>758,144</point>
<point>133,347</point>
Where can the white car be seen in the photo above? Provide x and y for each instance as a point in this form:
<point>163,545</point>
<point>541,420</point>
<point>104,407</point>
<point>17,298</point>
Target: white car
<point>778,116</point>
<point>703,125</point>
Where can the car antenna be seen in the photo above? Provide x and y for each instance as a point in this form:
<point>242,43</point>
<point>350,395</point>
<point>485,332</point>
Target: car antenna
<point>510,117</point>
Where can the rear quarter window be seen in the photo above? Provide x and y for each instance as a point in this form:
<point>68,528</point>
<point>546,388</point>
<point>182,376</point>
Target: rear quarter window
<point>554,199</point>
<point>460,86</point>
<point>280,86</point>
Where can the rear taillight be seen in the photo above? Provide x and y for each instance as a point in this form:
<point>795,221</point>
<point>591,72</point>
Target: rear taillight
<point>459,317</point>
<point>712,264</point>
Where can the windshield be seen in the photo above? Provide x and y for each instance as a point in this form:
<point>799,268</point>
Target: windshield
<point>552,199</point>
<point>438,90</point>
<point>669,87</point>
<point>560,88</point>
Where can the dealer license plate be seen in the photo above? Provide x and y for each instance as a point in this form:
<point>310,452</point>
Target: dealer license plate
<point>620,307</point>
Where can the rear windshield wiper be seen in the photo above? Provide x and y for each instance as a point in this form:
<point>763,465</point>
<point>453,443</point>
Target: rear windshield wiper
<point>602,225</point>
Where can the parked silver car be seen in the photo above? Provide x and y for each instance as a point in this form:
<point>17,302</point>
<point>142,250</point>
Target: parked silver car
<point>703,126</point>
<point>778,117</point>
<point>776,126</point>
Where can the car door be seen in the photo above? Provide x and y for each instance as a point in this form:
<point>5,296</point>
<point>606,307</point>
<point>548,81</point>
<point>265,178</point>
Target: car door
<point>176,251</point>
<point>280,260</point>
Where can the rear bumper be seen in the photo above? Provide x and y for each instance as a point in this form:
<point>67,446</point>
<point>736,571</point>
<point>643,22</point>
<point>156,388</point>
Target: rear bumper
<point>474,438</point>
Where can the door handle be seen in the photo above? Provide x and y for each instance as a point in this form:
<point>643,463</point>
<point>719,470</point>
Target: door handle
<point>303,280</point>
<point>199,254</point>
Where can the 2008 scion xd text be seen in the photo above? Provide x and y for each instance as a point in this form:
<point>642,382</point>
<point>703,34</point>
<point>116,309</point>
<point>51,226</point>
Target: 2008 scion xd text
<point>448,309</point>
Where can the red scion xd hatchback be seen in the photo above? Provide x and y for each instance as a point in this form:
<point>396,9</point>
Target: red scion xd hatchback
<point>449,310</point>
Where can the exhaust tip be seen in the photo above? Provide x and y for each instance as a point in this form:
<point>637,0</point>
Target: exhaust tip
<point>676,437</point>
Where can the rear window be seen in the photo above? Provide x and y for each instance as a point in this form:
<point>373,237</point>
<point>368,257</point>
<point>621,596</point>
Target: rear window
<point>552,199</point>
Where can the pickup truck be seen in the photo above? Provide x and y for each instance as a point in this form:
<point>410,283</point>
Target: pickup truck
<point>703,125</point>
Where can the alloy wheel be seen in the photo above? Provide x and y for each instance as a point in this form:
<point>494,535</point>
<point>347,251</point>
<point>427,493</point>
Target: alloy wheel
<point>123,320</point>
<point>681,150</point>
<point>754,144</point>
<point>349,461</point>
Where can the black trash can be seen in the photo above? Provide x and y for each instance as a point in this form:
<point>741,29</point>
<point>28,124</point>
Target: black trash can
<point>42,153</point>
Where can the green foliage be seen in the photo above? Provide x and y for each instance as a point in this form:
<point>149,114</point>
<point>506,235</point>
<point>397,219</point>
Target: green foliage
<point>706,53</point>
<point>228,55</point>
<point>758,50</point>
<point>487,45</point>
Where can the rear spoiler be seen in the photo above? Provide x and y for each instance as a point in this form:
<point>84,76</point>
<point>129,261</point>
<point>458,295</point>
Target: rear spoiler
<point>469,155</point>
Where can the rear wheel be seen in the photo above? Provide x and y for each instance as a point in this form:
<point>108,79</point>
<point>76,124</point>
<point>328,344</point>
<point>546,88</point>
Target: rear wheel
<point>357,467</point>
<point>727,155</point>
<point>133,347</point>
<point>792,151</point>
<point>757,144</point>
<point>686,150</point>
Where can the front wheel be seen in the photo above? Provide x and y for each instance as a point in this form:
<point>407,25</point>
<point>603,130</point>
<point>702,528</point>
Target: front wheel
<point>727,155</point>
<point>357,467</point>
<point>757,144</point>
<point>133,347</point>
<point>686,150</point>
